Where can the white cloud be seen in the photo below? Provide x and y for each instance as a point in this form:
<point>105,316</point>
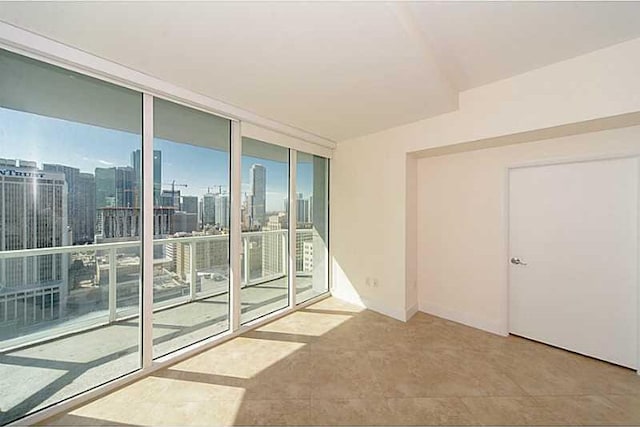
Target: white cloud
<point>92,160</point>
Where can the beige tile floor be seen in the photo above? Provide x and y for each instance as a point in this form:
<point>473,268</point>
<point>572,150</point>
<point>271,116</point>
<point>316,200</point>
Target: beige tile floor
<point>333,364</point>
<point>43,374</point>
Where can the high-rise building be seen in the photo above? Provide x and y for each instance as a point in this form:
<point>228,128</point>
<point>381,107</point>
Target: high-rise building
<point>85,208</point>
<point>105,179</point>
<point>303,207</point>
<point>190,204</point>
<point>125,187</point>
<point>71,178</point>
<point>307,257</point>
<point>171,198</point>
<point>185,222</point>
<point>211,256</point>
<point>222,210</point>
<point>27,164</point>
<point>258,197</point>
<point>251,259</point>
<point>274,245</point>
<point>303,236</point>
<point>208,209</point>
<point>245,216</point>
<point>33,214</point>
<point>81,201</point>
<point>116,187</point>
<point>136,163</point>
<point>117,223</point>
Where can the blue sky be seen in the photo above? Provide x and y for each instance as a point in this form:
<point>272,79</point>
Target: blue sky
<point>48,140</point>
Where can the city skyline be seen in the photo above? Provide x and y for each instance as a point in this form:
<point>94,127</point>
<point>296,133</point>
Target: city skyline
<point>35,133</point>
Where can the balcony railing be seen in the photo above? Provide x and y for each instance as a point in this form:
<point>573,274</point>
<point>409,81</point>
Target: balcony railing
<point>98,284</point>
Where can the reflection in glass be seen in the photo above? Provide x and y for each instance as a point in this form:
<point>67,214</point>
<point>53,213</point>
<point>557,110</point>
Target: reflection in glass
<point>192,210</point>
<point>265,247</point>
<point>312,230</point>
<point>71,224</point>
<point>69,240</point>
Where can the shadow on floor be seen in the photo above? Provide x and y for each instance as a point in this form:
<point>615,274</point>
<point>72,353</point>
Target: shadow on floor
<point>331,364</point>
<point>70,371</point>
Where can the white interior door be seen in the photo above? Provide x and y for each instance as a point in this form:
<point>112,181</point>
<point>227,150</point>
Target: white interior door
<point>574,229</point>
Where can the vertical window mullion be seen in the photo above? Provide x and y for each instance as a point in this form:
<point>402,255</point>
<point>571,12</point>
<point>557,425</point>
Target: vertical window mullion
<point>146,305</point>
<point>293,223</point>
<point>235,248</point>
<point>329,230</point>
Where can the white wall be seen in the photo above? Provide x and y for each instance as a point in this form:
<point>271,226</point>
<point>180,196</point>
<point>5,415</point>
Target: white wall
<point>369,191</point>
<point>461,246</point>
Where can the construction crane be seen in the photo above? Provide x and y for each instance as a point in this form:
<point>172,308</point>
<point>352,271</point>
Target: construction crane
<point>173,190</point>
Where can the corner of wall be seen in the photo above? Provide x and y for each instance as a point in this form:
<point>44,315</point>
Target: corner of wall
<point>488,325</point>
<point>364,271</point>
<point>373,305</point>
<point>411,240</point>
<point>411,311</point>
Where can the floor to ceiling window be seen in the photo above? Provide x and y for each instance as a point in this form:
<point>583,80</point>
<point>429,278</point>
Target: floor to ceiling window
<point>265,225</point>
<point>69,235</point>
<point>312,226</point>
<point>79,235</point>
<point>191,227</point>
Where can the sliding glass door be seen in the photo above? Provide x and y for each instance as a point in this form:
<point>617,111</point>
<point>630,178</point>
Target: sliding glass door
<point>191,151</point>
<point>69,234</point>
<point>75,216</point>
<point>312,226</point>
<point>265,226</point>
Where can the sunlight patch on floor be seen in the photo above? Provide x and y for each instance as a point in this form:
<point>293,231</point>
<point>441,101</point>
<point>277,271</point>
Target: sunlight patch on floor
<point>241,357</point>
<point>306,323</point>
<point>335,305</point>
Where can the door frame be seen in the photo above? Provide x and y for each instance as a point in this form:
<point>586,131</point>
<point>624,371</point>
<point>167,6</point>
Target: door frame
<point>507,236</point>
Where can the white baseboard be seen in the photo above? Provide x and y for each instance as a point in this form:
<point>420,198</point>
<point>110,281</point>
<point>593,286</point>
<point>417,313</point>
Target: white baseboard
<point>488,325</point>
<point>397,314</point>
<point>372,305</point>
<point>343,296</point>
<point>411,311</point>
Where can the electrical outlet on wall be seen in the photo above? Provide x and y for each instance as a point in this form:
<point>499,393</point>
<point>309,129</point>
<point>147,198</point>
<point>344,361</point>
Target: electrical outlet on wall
<point>371,282</point>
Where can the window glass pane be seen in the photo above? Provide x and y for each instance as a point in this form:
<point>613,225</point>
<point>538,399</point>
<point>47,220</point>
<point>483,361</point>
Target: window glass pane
<point>312,226</point>
<point>265,248</point>
<point>191,228</point>
<point>69,234</point>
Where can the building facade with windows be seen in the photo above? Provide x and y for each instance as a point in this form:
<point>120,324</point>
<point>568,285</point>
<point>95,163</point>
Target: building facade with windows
<point>33,214</point>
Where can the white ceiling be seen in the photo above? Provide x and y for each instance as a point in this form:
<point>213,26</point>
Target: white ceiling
<point>339,69</point>
<point>483,42</point>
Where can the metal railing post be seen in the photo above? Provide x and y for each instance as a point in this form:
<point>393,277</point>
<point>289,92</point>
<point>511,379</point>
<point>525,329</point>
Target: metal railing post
<point>113,284</point>
<point>246,252</point>
<point>193,272</point>
<point>285,259</point>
